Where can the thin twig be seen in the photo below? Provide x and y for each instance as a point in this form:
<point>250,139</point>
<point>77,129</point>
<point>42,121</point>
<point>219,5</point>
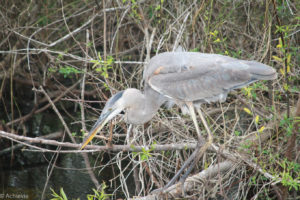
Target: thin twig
<point>83,85</point>
<point>51,165</point>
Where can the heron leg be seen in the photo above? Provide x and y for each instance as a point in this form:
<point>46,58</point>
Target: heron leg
<point>193,115</point>
<point>210,138</point>
<point>199,151</point>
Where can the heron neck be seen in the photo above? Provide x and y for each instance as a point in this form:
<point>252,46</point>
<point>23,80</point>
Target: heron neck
<point>153,101</point>
<point>148,104</point>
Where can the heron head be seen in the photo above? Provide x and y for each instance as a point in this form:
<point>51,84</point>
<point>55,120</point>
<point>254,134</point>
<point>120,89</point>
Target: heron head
<point>123,100</point>
<point>113,107</point>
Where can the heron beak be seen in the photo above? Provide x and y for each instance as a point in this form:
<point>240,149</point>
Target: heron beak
<point>103,119</point>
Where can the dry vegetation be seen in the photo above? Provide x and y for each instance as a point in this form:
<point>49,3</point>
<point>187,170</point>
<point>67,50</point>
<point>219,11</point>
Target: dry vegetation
<point>76,54</point>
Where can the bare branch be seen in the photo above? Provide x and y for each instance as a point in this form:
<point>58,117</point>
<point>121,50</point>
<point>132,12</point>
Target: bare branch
<point>97,148</point>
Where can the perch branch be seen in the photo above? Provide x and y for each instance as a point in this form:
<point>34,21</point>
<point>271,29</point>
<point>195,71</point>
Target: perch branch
<point>96,148</point>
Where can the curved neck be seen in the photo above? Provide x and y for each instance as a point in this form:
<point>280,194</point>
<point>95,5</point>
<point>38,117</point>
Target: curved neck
<point>147,105</point>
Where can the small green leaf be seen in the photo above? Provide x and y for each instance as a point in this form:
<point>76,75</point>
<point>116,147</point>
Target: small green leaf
<point>248,111</point>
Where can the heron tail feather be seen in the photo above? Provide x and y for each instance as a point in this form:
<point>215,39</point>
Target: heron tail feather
<point>261,71</point>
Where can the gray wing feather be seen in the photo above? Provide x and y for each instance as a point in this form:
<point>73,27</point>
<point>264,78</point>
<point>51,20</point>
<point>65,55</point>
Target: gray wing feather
<point>191,76</point>
<point>195,85</point>
<point>176,61</point>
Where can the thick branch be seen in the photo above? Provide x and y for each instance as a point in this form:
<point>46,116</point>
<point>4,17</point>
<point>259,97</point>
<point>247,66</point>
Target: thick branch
<point>97,148</point>
<point>189,184</point>
<point>18,146</point>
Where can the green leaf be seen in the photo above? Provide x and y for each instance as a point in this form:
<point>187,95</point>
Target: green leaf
<point>62,193</point>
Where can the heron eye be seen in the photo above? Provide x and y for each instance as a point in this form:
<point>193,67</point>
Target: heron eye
<point>122,112</point>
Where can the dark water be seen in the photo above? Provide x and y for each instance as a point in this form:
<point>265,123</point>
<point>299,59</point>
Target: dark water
<point>23,174</point>
<point>29,182</point>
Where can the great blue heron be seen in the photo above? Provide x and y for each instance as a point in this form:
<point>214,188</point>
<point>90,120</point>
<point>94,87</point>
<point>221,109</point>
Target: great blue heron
<point>187,79</point>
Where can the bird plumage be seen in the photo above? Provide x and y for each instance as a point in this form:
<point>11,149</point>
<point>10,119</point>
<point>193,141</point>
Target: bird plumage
<point>186,78</point>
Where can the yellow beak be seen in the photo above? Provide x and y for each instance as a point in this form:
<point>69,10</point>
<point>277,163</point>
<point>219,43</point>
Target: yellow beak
<point>103,119</point>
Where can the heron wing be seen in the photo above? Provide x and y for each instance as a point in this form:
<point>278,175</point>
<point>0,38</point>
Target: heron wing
<point>170,62</point>
<point>196,84</point>
<point>190,76</point>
